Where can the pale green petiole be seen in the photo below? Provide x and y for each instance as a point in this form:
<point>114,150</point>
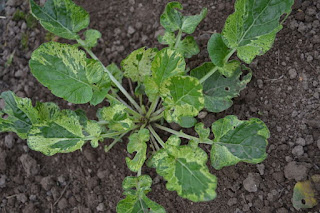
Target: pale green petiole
<point>156,117</point>
<point>178,39</point>
<point>179,134</point>
<point>112,78</point>
<point>152,107</point>
<point>107,148</point>
<point>156,136</point>
<point>128,109</point>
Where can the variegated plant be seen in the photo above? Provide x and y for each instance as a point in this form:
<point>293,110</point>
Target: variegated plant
<point>164,92</point>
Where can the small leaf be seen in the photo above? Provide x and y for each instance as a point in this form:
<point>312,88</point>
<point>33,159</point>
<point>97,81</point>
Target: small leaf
<point>167,63</point>
<point>252,28</point>
<point>60,135</point>
<point>101,89</point>
<point>172,20</point>
<point>238,141</point>
<point>218,89</point>
<point>64,70</point>
<point>21,115</point>
<point>138,64</point>
<point>184,167</point>
<point>217,50</point>
<point>92,37</point>
<point>93,130</point>
<point>202,132</point>
<point>116,116</point>
<point>61,17</point>
<point>168,38</point>
<point>136,200</point>
<point>137,143</point>
<point>182,96</point>
<point>304,195</point>
<point>190,23</point>
<point>188,47</point>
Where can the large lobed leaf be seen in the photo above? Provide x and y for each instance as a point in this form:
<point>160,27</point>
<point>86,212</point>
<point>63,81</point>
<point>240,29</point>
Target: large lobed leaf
<point>136,200</point>
<point>184,167</point>
<point>219,89</point>
<point>252,28</point>
<point>61,17</point>
<point>238,141</point>
<point>66,71</point>
<point>47,129</point>
<point>137,143</point>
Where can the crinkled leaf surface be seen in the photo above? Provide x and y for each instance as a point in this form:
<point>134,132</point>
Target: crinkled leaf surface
<point>304,195</point>
<point>182,96</point>
<point>93,129</point>
<point>92,37</point>
<point>116,116</point>
<point>61,17</point>
<point>188,47</point>
<point>217,50</point>
<point>167,63</point>
<point>172,20</point>
<point>237,141</point>
<point>218,89</point>
<point>252,28</point>
<point>137,143</point>
<point>21,115</point>
<point>136,200</point>
<point>65,71</point>
<point>138,64</point>
<point>184,167</point>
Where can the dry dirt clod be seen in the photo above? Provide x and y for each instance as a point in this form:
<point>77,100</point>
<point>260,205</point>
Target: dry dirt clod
<point>251,183</point>
<point>29,164</point>
<point>296,171</point>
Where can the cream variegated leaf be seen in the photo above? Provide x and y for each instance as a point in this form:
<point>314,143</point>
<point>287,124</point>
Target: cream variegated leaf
<point>61,17</point>
<point>136,200</point>
<point>238,141</point>
<point>182,96</point>
<point>184,167</point>
<point>138,143</point>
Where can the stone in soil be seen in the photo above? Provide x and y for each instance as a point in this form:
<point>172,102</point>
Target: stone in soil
<point>47,183</point>
<point>29,165</point>
<point>296,171</point>
<point>251,183</point>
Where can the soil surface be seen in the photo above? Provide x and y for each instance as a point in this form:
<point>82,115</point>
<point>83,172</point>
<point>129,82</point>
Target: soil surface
<point>284,93</point>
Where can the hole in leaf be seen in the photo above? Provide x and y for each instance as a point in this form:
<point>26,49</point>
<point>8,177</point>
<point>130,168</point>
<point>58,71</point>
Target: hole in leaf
<point>224,76</point>
<point>303,201</point>
<point>227,88</point>
<point>4,116</point>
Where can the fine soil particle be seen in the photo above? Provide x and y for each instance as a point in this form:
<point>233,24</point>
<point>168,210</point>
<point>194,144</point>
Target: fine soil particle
<point>284,93</point>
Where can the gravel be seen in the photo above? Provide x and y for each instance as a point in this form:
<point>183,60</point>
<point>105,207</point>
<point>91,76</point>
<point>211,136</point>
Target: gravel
<point>251,183</point>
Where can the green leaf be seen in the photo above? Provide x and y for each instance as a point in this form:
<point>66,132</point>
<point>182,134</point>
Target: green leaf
<point>65,71</point>
<point>217,50</point>
<point>168,38</point>
<point>172,20</point>
<point>61,135</point>
<point>218,89</point>
<point>101,89</point>
<point>137,143</point>
<point>61,17</point>
<point>238,141</point>
<point>138,64</point>
<point>188,47</point>
<point>252,28</point>
<point>190,23</point>
<point>187,121</point>
<point>182,96</point>
<point>116,116</point>
<point>21,115</point>
<point>202,132</point>
<point>136,200</point>
<point>184,167</point>
<point>167,63</point>
<point>92,37</point>
<point>304,195</point>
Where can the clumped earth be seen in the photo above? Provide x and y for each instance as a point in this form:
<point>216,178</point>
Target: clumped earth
<point>284,93</point>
